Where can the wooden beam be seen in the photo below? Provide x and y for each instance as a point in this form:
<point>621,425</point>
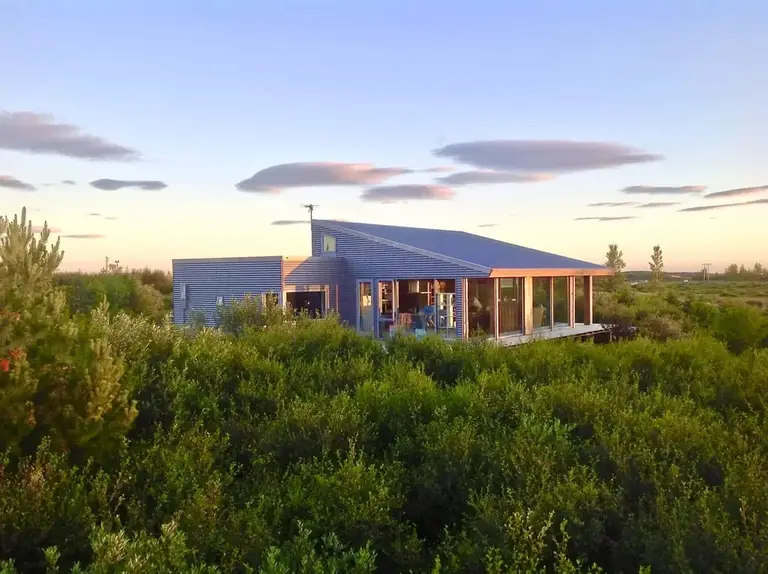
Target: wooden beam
<point>588,300</point>
<point>499,272</point>
<point>571,301</point>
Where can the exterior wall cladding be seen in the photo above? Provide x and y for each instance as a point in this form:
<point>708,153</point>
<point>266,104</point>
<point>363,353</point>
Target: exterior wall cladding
<point>366,259</point>
<point>230,278</point>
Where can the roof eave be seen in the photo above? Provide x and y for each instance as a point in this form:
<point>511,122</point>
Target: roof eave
<point>552,272</point>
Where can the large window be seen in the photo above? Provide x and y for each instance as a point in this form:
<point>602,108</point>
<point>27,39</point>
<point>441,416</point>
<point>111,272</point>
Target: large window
<point>445,307</point>
<point>579,303</point>
<point>480,307</point>
<point>560,285</point>
<point>541,302</point>
<point>511,305</point>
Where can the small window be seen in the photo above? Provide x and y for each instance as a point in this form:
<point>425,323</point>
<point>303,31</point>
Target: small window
<point>329,244</point>
<point>219,301</point>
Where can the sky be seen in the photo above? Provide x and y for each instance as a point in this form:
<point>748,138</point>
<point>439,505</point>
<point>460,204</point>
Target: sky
<point>147,131</point>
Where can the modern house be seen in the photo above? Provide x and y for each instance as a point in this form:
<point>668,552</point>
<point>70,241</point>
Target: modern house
<point>382,279</point>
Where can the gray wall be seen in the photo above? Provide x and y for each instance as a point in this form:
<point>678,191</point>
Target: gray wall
<point>368,259</point>
<point>230,278</point>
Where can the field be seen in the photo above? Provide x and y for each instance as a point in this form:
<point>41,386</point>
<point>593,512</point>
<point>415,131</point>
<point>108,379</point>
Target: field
<point>279,446</point>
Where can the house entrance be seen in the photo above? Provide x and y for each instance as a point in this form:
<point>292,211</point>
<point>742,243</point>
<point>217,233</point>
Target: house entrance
<point>310,301</point>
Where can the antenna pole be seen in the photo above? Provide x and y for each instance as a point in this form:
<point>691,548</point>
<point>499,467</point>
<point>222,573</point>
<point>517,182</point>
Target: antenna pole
<point>311,208</point>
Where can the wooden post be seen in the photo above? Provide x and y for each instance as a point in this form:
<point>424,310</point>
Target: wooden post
<point>528,305</point>
<point>496,308</point>
<point>551,302</point>
<point>588,304</point>
<point>571,302</point>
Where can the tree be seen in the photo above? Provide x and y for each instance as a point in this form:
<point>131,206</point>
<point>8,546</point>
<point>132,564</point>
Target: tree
<point>58,377</point>
<point>732,269</point>
<point>657,265</point>
<point>614,259</point>
<point>758,268</point>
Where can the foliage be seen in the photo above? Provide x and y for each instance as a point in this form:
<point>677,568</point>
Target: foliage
<point>251,312</point>
<point>281,444</point>
<point>657,265</point>
<point>132,292</point>
<point>58,376</point>
<point>614,259</point>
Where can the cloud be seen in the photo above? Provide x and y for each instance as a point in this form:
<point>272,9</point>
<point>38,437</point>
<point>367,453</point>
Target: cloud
<point>543,156</point>
<point>290,222</point>
<point>107,217</point>
<point>491,177</point>
<point>113,184</point>
<point>277,178</point>
<point>41,134</point>
<point>488,225</point>
<point>605,218</point>
<point>69,182</point>
<point>655,204</point>
<point>39,228</point>
<point>724,205</point>
<point>655,190</point>
<point>10,182</point>
<point>737,192</point>
<point>612,204</point>
<point>84,236</point>
<point>397,193</point>
<point>439,169</point>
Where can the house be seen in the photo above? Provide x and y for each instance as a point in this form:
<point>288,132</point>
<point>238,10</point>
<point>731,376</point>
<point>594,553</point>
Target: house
<point>382,279</point>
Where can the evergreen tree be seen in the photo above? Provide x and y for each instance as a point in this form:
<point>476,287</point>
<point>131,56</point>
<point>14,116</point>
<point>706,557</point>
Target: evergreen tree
<point>58,377</point>
<point>614,259</point>
<point>657,265</point>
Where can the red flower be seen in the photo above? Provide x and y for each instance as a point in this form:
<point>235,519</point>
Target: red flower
<point>5,365</point>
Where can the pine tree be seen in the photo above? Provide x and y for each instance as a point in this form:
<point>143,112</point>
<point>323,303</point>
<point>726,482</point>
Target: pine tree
<point>614,259</point>
<point>57,376</point>
<point>657,265</point>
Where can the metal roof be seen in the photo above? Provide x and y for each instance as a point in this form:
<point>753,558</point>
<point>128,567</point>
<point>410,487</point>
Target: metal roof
<point>467,247</point>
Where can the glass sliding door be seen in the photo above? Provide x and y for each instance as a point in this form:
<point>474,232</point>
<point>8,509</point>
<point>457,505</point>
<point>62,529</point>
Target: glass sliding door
<point>365,307</point>
<point>387,307</point>
<point>445,307</point>
<point>510,305</point>
<point>562,306</point>
<point>481,310</point>
<point>579,302</point>
<point>542,302</point>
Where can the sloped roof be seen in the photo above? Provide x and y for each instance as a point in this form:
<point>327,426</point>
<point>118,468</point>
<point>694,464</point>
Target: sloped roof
<point>466,247</point>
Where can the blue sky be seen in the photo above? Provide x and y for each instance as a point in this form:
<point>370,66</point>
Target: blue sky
<point>207,94</point>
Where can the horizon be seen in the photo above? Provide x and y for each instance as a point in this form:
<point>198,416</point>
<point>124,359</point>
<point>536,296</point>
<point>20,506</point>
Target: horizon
<point>557,127</point>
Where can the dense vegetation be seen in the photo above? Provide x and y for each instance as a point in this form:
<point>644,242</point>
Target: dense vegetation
<point>144,292</point>
<point>282,445</point>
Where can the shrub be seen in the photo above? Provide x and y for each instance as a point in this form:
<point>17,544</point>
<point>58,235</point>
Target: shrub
<point>660,327</point>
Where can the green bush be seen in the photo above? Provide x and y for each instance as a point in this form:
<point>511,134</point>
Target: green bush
<point>283,444</point>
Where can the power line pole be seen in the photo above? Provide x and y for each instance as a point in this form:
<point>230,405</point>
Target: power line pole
<point>705,270</point>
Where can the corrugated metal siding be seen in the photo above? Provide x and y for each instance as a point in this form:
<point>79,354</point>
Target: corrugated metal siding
<point>230,278</point>
<point>368,259</point>
<point>316,271</point>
